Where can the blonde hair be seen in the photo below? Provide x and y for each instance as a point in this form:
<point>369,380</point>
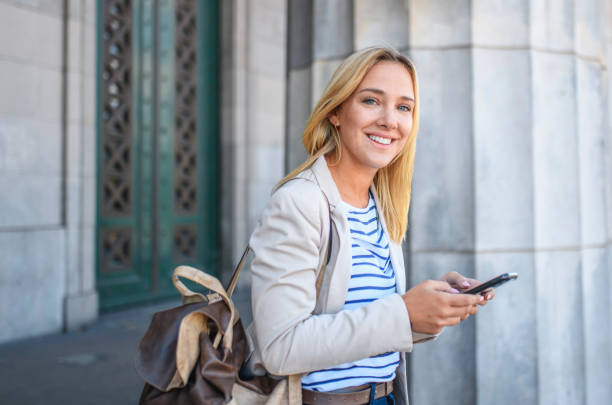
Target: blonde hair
<point>393,182</point>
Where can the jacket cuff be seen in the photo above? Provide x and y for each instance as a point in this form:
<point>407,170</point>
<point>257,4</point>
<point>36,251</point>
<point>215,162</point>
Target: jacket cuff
<point>418,337</point>
<point>405,319</point>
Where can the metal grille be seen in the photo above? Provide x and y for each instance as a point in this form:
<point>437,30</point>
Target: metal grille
<point>185,243</point>
<point>116,143</point>
<point>185,121</point>
<point>116,250</point>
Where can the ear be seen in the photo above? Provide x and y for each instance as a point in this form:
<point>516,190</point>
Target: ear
<point>333,118</point>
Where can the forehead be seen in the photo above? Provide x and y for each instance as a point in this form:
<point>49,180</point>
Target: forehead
<point>391,77</point>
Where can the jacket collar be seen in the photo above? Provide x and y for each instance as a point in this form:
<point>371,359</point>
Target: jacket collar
<point>328,186</point>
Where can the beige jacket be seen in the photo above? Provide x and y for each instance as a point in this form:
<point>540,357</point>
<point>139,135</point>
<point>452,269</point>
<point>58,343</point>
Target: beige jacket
<point>295,332</point>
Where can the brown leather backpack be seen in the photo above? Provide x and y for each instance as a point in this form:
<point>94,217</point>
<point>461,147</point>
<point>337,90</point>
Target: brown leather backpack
<point>181,361</point>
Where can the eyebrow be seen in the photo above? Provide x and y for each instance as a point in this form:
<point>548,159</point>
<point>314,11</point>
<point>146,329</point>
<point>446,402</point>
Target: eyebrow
<point>379,91</point>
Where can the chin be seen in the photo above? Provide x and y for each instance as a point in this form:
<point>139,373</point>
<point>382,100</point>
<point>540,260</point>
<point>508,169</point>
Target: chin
<point>380,164</point>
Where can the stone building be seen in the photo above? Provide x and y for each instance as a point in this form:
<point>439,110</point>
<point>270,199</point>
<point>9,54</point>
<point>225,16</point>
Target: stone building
<point>135,135</point>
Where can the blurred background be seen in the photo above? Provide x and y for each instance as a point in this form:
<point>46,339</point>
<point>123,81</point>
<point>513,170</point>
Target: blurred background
<point>139,135</point>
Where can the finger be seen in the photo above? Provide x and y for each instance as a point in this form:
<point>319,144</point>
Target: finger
<point>457,312</point>
<point>461,312</point>
<point>473,310</point>
<point>457,280</point>
<point>443,286</point>
<point>487,295</point>
<point>474,283</point>
<point>452,321</point>
<point>470,311</point>
<point>464,300</point>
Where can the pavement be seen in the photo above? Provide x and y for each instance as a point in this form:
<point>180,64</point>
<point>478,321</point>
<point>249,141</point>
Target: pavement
<point>92,366</point>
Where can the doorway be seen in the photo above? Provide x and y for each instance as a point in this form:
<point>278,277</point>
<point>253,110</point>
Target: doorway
<point>157,145</point>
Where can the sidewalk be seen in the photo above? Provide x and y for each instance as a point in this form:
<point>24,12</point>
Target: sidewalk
<point>93,366</point>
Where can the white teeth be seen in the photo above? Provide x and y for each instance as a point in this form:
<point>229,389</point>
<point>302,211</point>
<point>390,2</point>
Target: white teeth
<point>379,139</point>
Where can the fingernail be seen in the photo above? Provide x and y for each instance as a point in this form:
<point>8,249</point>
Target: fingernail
<point>488,297</point>
<point>454,291</point>
<point>465,284</point>
<point>481,298</point>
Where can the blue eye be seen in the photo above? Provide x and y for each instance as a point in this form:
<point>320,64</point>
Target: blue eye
<point>405,108</point>
<point>369,101</point>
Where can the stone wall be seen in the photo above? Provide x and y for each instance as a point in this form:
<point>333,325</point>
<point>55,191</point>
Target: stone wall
<point>46,166</point>
<point>534,203</point>
<point>253,86</point>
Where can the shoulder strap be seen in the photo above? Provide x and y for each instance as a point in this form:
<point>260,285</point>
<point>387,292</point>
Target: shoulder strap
<point>234,280</point>
<point>326,261</point>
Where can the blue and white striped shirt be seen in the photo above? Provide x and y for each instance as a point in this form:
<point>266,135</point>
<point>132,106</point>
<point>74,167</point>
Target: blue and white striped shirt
<point>372,277</point>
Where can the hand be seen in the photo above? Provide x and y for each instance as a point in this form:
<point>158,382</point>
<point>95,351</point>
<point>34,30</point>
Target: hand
<point>462,283</point>
<point>432,305</point>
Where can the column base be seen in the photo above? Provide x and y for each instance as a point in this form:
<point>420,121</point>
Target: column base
<point>80,310</point>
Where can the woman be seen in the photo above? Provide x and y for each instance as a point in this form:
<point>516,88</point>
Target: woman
<point>328,290</point>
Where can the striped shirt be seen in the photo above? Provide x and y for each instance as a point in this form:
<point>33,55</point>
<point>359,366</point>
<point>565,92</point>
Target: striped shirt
<point>372,277</point>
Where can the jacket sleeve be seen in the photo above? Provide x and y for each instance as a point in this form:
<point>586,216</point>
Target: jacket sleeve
<point>287,245</point>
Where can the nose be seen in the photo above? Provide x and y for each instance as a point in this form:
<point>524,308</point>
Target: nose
<point>387,119</point>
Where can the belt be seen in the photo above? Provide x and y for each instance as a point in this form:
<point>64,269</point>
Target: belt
<point>346,398</point>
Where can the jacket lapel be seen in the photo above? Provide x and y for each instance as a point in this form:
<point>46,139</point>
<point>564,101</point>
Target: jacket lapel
<point>335,283</point>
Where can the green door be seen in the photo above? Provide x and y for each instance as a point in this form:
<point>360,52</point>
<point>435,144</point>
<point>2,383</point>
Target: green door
<point>157,138</point>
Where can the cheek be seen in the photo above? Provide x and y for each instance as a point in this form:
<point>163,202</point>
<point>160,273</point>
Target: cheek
<point>402,143</point>
<point>355,118</point>
<point>405,129</point>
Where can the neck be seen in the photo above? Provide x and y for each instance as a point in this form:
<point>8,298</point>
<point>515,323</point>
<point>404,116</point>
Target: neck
<point>353,183</point>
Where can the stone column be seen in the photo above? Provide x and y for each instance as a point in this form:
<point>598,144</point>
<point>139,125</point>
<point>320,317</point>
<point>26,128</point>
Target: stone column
<point>533,200</point>
<point>234,202</point>
<point>266,95</point>
<point>589,20</point>
<point>253,122</point>
<point>81,300</point>
<point>608,153</point>
<point>299,80</point>
<point>320,37</point>
<point>506,336</point>
<point>381,22</point>
<point>441,226</point>
<point>557,206</point>
<point>333,36</point>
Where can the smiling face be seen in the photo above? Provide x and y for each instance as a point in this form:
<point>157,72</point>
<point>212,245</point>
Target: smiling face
<point>374,123</point>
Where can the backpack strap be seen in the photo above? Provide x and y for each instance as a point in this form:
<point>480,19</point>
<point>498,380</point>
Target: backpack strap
<point>213,284</point>
<point>234,280</point>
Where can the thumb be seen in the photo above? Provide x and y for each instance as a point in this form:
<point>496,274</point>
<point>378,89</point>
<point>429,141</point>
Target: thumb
<point>443,286</point>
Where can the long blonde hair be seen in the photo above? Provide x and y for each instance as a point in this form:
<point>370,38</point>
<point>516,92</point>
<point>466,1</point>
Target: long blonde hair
<point>393,182</point>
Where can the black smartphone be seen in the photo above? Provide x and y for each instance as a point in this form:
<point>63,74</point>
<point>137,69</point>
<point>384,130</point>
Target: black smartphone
<point>494,282</point>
